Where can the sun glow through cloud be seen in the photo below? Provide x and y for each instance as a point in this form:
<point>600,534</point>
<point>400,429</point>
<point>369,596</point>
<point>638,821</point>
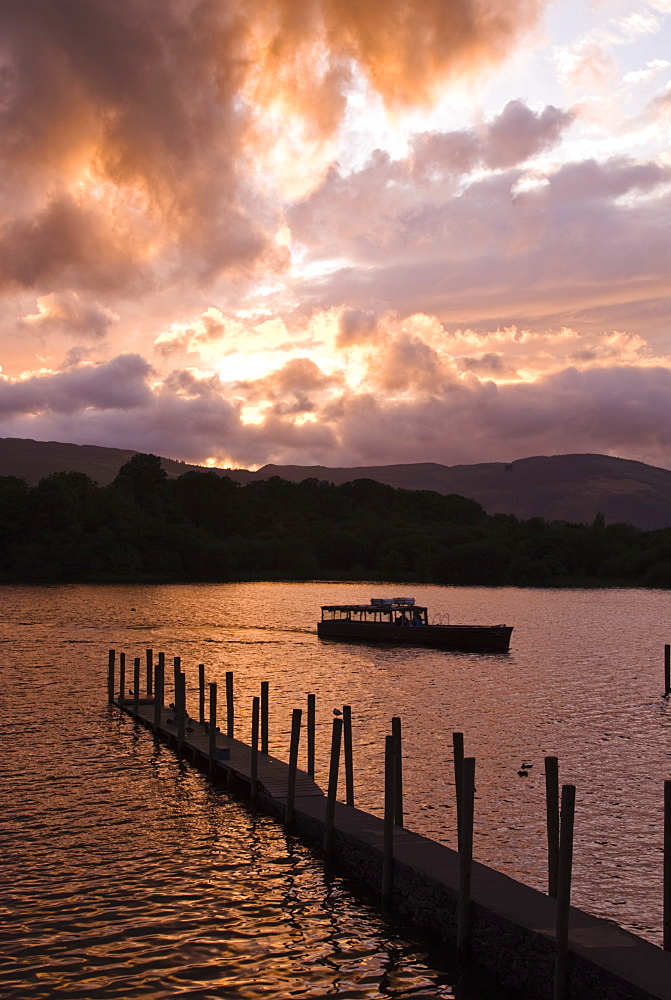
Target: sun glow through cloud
<point>284,231</point>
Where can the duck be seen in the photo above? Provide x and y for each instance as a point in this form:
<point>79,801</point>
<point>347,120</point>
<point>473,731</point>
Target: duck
<point>523,774</point>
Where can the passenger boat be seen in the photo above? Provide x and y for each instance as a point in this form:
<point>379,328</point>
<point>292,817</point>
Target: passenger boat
<point>399,621</point>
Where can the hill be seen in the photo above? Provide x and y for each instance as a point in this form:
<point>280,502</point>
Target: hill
<point>559,487</point>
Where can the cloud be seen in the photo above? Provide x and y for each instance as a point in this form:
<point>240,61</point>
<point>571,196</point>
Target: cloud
<point>132,131</point>
<point>68,313</point>
<point>119,384</point>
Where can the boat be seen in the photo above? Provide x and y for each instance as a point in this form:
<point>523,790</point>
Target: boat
<point>400,622</point>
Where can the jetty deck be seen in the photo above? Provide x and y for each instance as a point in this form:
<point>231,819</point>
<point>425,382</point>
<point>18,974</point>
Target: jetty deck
<point>512,926</point>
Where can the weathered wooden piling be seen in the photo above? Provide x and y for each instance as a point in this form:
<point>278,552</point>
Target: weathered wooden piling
<point>180,708</point>
<point>149,664</point>
<point>230,708</point>
<point>254,759</point>
<point>201,693</point>
<point>159,689</point>
<point>667,867</point>
<point>311,735</point>
<point>465,856</point>
<point>212,729</point>
<point>667,670</point>
<point>552,821</point>
<point>389,816</point>
<point>564,889</point>
<point>176,670</point>
<point>264,716</point>
<point>458,755</point>
<point>296,717</point>
<point>122,677</point>
<point>136,686</point>
<point>329,817</point>
<point>110,675</point>
<point>398,770</point>
<point>349,760</point>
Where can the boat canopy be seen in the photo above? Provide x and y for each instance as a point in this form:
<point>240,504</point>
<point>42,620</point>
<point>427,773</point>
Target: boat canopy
<point>378,604</point>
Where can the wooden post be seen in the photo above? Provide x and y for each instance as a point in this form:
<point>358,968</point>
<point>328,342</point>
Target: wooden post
<point>212,729</point>
<point>349,762</point>
<point>389,816</point>
<point>136,686</point>
<point>667,866</point>
<point>149,659</point>
<point>180,706</point>
<point>201,693</point>
<point>122,677</point>
<point>230,713</point>
<point>254,769</point>
<point>110,676</point>
<point>667,670</point>
<point>264,717</point>
<point>311,735</point>
<point>564,889</point>
<point>552,821</point>
<point>458,753</point>
<point>159,687</point>
<point>177,669</point>
<point>398,771</point>
<point>336,738</point>
<point>465,856</point>
<point>296,717</point>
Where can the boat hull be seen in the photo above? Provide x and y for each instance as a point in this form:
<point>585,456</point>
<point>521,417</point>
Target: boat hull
<point>462,638</point>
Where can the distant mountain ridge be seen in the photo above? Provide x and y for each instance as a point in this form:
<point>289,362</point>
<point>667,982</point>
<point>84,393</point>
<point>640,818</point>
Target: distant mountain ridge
<point>558,487</point>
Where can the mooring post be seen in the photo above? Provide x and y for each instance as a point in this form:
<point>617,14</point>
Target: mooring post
<point>349,760</point>
<point>149,659</point>
<point>110,676</point>
<point>465,856</point>
<point>667,866</point>
<point>201,693</point>
<point>336,739</point>
<point>122,677</point>
<point>552,821</point>
<point>180,705</point>
<point>177,669</point>
<point>230,708</point>
<point>296,717</point>
<point>458,754</point>
<point>311,735</point>
<point>254,768</point>
<point>398,771</point>
<point>264,716</point>
<point>564,889</point>
<point>159,688</point>
<point>667,670</point>
<point>136,686</point>
<point>212,729</point>
<point>389,816</point>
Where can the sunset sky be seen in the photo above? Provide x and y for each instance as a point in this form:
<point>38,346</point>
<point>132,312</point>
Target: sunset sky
<point>237,232</point>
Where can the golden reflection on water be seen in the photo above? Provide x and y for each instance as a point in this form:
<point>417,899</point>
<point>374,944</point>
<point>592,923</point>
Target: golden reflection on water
<point>157,877</point>
<point>128,873</point>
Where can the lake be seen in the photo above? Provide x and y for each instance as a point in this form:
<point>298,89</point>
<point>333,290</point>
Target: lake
<point>130,875</point>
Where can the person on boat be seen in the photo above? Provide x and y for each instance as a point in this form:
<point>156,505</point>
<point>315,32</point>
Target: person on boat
<point>417,619</point>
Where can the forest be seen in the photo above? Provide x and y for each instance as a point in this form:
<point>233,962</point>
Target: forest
<point>203,526</point>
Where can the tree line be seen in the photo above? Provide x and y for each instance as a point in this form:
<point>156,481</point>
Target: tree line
<point>203,526</point>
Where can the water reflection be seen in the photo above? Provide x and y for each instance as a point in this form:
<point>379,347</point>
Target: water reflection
<point>582,680</point>
<point>130,874</point>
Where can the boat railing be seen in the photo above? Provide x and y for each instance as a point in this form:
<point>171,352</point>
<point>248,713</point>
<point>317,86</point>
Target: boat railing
<point>441,618</point>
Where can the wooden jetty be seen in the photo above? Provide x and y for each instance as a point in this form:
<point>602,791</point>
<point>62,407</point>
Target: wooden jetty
<point>536,945</point>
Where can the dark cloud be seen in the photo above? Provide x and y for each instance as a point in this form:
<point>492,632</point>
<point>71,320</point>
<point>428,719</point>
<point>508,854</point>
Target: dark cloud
<point>117,384</point>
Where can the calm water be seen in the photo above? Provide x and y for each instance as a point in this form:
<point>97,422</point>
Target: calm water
<point>128,875</point>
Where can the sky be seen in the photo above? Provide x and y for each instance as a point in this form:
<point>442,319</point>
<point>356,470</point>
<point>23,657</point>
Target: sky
<point>317,232</point>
